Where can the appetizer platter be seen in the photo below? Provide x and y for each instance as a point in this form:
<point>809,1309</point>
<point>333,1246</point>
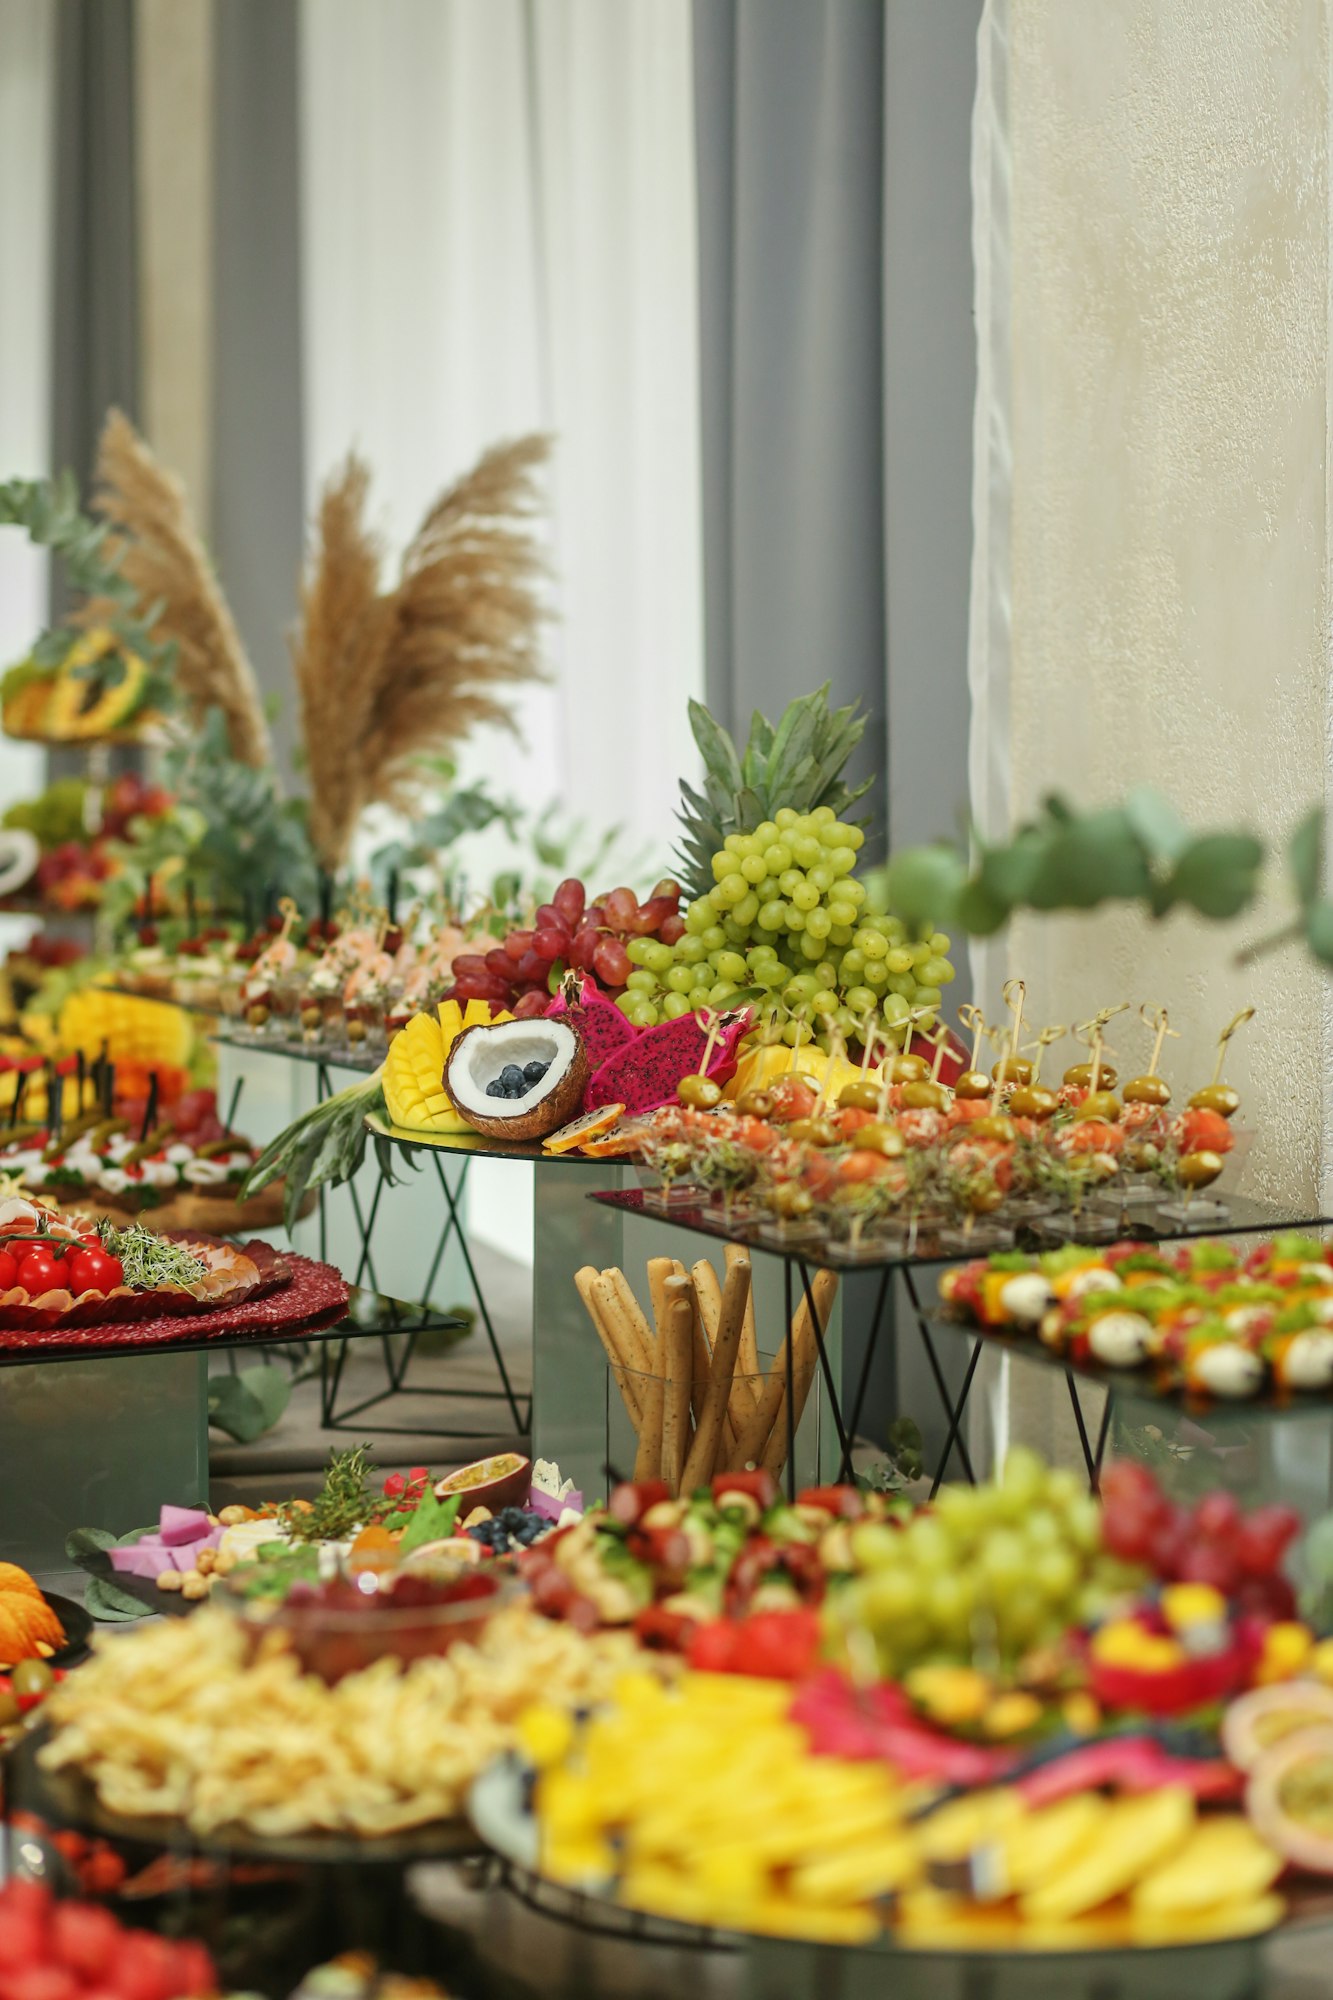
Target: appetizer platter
<point>1203,1323</point>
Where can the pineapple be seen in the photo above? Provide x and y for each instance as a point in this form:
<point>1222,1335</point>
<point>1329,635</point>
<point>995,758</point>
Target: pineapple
<point>798,764</point>
<point>414,1091</point>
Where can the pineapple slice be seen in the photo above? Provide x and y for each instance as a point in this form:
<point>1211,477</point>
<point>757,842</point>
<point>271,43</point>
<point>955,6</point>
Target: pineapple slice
<point>414,1091</point>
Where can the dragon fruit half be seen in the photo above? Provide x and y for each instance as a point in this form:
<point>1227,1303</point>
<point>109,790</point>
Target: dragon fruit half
<point>644,1073</point>
<point>597,1019</point>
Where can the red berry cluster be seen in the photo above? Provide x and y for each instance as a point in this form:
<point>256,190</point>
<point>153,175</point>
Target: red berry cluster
<point>1214,1542</point>
<point>410,1487</point>
<point>66,1951</point>
<point>568,931</point>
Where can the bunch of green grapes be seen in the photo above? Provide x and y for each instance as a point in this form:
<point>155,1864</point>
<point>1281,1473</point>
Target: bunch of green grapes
<point>1007,1566</point>
<point>787,914</point>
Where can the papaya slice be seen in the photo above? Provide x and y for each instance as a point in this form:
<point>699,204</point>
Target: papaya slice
<point>583,1133</point>
<point>1223,1863</point>
<point>1136,1835</point>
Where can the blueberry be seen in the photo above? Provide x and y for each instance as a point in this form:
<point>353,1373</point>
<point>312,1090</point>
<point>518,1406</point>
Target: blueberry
<point>511,1074</point>
<point>496,1089</point>
<point>535,1071</point>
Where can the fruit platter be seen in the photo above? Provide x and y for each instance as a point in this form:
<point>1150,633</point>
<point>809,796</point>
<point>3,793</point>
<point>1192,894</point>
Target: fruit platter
<point>1202,1322</point>
<point>1015,1720</point>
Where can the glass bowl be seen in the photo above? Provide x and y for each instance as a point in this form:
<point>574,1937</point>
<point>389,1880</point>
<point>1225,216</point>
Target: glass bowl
<point>345,1622</point>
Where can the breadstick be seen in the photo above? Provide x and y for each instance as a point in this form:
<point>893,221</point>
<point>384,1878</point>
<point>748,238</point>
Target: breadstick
<point>709,1293</point>
<point>659,1270</point>
<point>640,1338</point>
<point>753,1436</point>
<point>677,1367</point>
<point>805,1360</point>
<point>628,1383</point>
<point>703,1452</point>
<point>610,1303</point>
<point>747,1363</point>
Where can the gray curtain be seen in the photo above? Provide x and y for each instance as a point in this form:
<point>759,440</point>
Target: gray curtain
<point>258,486</point>
<point>96,317</point>
<point>789,118</point>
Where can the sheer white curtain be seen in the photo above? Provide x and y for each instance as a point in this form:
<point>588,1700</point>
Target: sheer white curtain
<point>499,235</point>
<point>27,85</point>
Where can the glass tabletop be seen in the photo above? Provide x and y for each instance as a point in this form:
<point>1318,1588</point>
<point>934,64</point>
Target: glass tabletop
<point>478,1145</point>
<point>741,1225</point>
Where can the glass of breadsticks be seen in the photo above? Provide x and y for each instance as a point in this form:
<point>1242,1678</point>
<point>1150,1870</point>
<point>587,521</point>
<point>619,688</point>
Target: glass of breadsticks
<point>700,1395</point>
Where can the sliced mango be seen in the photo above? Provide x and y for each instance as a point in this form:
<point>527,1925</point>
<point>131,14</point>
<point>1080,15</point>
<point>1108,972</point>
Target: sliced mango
<point>1224,1861</point>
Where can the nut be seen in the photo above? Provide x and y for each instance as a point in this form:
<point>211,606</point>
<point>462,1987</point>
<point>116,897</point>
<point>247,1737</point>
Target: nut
<point>224,1562</point>
<point>231,1517</point>
<point>193,1585</point>
<point>206,1561</point>
<point>170,1579</point>
<point>476,1517</point>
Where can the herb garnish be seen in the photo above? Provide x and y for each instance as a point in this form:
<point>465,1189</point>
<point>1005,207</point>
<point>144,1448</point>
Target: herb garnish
<point>150,1261</point>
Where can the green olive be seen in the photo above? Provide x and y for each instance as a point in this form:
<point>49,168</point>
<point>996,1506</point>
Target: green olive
<point>908,1069</point>
<point>1218,1097</point>
<point>996,1127</point>
<point>32,1677</point>
<point>861,1096</point>
<point>1031,1101</point>
<point>1099,1104</point>
<point>755,1103</point>
<point>973,1083</point>
<point>1012,1069</point>
<point>881,1137</point>
<point>791,1201</point>
<point>701,1092</point>
<point>815,1131</point>
<point>925,1096</point>
<point>256,1016</point>
<point>1079,1077</point>
<point>1197,1170</point>
<point>1147,1090</point>
<point>1141,1156</point>
<point>9,1708</point>
<point>983,1198</point>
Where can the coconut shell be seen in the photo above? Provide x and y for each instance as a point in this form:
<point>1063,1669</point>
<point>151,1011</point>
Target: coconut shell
<point>524,1123</point>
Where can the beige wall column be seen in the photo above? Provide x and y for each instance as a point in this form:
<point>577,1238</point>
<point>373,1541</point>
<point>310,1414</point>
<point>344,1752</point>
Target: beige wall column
<point>174,57</point>
<point>1168,544</point>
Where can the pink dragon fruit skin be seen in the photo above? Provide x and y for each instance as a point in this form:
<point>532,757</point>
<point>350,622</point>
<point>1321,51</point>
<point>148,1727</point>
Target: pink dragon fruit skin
<point>645,1072</point>
<point>582,1003</point>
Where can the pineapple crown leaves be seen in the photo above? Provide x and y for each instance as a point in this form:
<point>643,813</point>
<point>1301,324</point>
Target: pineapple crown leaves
<point>799,763</point>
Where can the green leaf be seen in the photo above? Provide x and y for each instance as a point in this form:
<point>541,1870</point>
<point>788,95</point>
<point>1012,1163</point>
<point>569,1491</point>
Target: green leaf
<point>1217,874</point>
<point>1305,857</point>
<point>88,1546</point>
<point>1319,931</point>
<point>1090,860</point>
<point>977,912</point>
<point>1157,823</point>
<point>432,1521</point>
<point>247,1405</point>
<point>922,884</point>
<point>110,1605</point>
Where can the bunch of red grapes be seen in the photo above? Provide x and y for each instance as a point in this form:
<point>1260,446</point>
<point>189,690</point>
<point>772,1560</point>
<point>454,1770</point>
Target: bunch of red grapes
<point>569,931</point>
<point>1214,1542</point>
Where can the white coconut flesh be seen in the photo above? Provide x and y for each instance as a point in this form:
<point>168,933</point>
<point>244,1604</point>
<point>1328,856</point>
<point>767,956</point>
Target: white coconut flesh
<point>481,1055</point>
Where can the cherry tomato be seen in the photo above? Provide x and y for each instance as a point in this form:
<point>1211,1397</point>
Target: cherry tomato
<point>9,1270</point>
<point>94,1271</point>
<point>39,1272</point>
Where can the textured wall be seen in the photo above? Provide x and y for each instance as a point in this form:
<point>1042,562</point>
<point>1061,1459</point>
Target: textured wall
<point>1169,604</point>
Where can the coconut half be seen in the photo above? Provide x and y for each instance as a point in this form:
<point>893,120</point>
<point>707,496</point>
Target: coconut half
<point>480,1056</point>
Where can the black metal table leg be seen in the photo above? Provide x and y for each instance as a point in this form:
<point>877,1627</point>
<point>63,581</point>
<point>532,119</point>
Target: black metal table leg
<point>834,1404</point>
<point>1102,1437</point>
<point>479,1295</point>
<point>791,1384</point>
<point>954,1434</point>
<point>853,1427</point>
<point>954,1411</point>
<point>1088,1459</point>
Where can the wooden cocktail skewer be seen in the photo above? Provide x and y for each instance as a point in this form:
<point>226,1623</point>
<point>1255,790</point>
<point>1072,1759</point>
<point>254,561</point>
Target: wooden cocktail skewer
<point>1245,1014</point>
<point>1046,1039</point>
<point>869,1037</point>
<point>837,1053</point>
<point>972,1017</point>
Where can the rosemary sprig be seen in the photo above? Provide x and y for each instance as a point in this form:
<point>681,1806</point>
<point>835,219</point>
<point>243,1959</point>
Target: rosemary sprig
<point>345,1503</point>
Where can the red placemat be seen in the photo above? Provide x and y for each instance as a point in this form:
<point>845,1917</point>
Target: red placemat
<point>315,1297</point>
